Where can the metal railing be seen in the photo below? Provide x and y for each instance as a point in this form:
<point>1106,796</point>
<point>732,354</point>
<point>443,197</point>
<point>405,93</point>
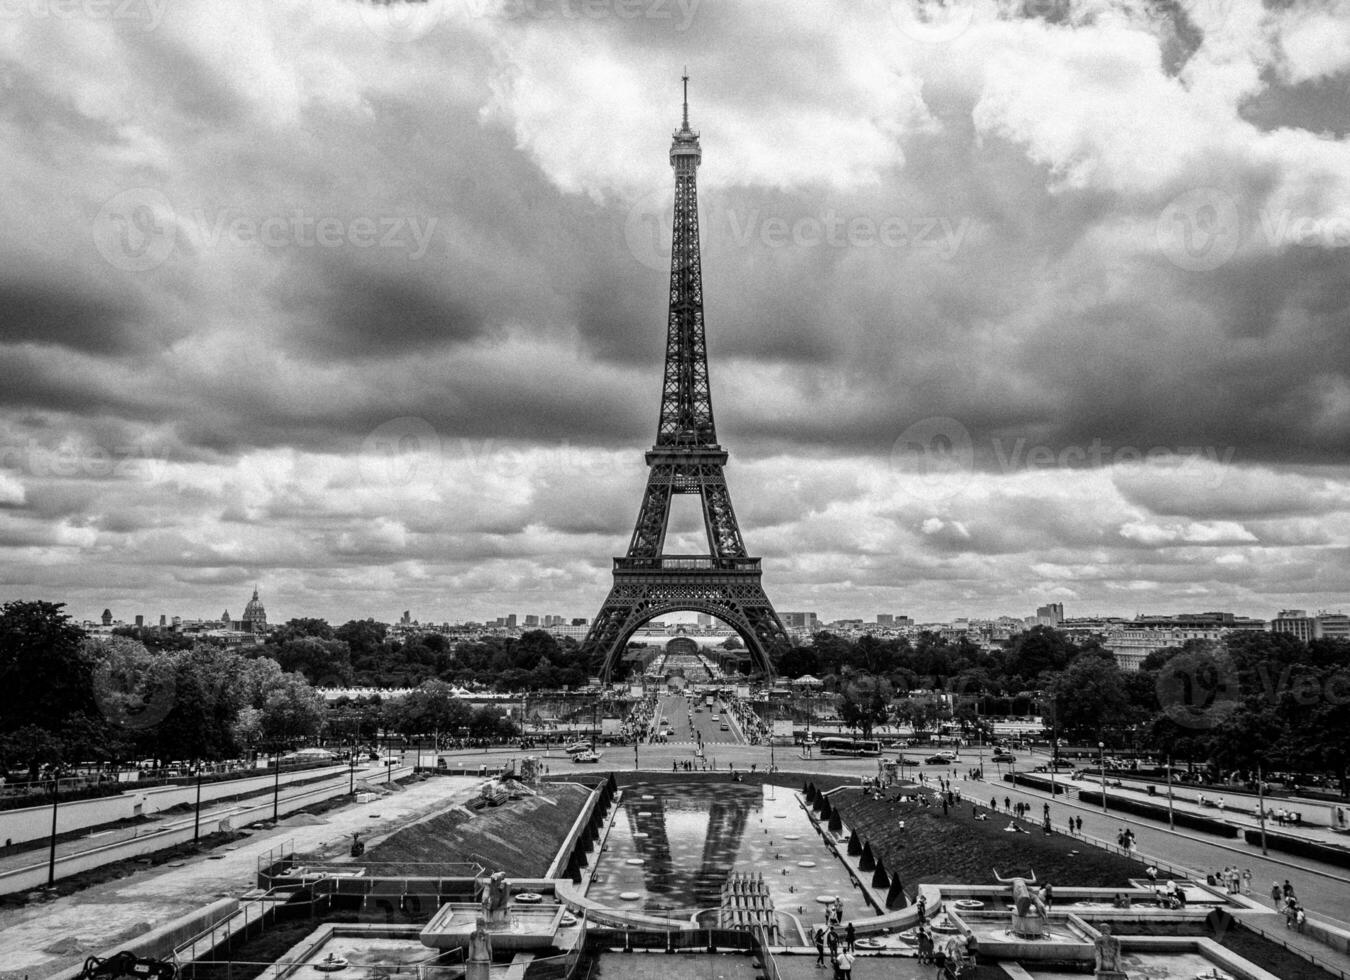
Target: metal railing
<point>663,563</point>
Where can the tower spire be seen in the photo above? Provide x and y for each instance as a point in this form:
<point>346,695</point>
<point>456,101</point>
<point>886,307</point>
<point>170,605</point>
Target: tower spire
<point>686,96</point>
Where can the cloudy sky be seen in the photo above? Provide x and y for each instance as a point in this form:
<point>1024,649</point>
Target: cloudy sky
<point>1007,303</point>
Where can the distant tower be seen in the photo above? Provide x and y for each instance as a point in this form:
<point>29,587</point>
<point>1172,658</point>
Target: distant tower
<point>225,619</point>
<point>107,617</point>
<point>686,459</point>
<point>255,617</point>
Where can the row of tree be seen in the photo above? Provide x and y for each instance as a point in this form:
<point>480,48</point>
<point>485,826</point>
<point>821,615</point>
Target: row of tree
<point>1254,702</point>
<point>68,699</point>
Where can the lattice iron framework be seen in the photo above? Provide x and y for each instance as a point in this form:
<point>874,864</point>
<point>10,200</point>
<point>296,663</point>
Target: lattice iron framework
<point>686,458</point>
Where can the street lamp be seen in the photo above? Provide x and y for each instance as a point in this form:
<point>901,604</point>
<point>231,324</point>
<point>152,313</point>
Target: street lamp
<point>1171,825</point>
<point>1261,805</point>
<point>276,784</point>
<point>197,814</point>
<point>51,855</point>
<point>1101,749</point>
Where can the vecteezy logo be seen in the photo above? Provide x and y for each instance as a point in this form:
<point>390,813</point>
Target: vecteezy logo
<point>935,458</point>
<point>933,21</point>
<point>135,230</point>
<point>401,21</point>
<point>131,704</point>
<point>399,451</point>
<point>1199,230</point>
<point>1198,688</point>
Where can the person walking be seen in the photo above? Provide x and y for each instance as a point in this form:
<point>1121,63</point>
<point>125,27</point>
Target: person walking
<point>844,964</point>
<point>1276,894</point>
<point>849,936</point>
<point>832,938</point>
<point>820,948</point>
<point>925,945</point>
<point>1246,881</point>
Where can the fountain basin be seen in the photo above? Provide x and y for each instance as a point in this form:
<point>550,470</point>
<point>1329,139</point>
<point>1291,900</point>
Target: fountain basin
<point>1065,939</point>
<point>525,929</point>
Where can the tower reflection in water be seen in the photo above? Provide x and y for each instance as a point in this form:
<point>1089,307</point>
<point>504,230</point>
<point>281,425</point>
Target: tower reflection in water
<point>675,844</point>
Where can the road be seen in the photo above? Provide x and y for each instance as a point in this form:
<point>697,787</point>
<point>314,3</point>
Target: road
<point>677,712</point>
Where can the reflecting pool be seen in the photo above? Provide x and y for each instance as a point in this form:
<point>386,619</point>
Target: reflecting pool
<point>673,845</point>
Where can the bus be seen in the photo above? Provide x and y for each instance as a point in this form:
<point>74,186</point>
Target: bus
<point>848,746</point>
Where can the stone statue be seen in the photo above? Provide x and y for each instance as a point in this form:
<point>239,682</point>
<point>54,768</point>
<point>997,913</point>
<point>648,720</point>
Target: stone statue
<point>1108,955</point>
<point>1025,924</point>
<point>496,897</point>
<point>1024,899</point>
<point>479,964</point>
<point>480,943</point>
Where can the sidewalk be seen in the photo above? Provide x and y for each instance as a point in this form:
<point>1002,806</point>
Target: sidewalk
<point>46,939</point>
<point>1185,801</point>
<point>210,813</point>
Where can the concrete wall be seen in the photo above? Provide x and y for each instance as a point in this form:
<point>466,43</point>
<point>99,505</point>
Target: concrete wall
<point>35,822</point>
<point>177,832</point>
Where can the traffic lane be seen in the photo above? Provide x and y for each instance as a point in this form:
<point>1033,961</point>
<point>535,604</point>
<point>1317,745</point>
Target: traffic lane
<point>712,730</point>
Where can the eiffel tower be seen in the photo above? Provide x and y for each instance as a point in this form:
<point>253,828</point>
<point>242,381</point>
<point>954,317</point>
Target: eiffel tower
<point>686,459</point>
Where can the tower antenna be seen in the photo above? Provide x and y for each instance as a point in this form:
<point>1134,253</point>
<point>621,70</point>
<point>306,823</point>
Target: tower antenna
<point>686,96</point>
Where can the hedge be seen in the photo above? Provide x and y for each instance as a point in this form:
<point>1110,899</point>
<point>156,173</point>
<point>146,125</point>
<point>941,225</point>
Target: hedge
<point>1041,783</point>
<point>1301,846</point>
<point>1181,818</point>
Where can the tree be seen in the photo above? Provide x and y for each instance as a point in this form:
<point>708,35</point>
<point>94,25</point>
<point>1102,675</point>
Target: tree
<point>1087,697</point>
<point>865,702</point>
<point>296,629</point>
<point>47,683</point>
<point>293,711</point>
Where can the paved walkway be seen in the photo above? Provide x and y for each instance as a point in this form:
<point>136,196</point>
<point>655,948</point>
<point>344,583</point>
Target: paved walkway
<point>1238,810</point>
<point>41,940</point>
<point>211,812</point>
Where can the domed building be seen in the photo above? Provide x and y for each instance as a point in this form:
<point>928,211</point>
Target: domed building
<point>255,616</point>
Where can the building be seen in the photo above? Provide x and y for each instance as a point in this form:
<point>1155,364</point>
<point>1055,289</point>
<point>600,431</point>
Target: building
<point>1131,644</point>
<point>705,620</point>
<point>801,621</point>
<point>531,621</point>
<point>1334,626</point>
<point>510,622</point>
<point>1297,623</point>
<point>885,619</point>
<point>107,617</point>
<point>1051,614</point>
<point>254,619</point>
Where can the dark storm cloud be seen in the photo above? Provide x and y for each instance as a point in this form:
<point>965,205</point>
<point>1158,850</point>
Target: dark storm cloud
<point>347,313</point>
<point>70,315</point>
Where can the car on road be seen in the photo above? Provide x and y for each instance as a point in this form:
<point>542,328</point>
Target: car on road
<point>939,760</point>
<point>726,727</point>
<point>586,756</point>
<point>576,747</point>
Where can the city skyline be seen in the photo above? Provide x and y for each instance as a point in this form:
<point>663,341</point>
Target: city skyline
<point>1005,312</point>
